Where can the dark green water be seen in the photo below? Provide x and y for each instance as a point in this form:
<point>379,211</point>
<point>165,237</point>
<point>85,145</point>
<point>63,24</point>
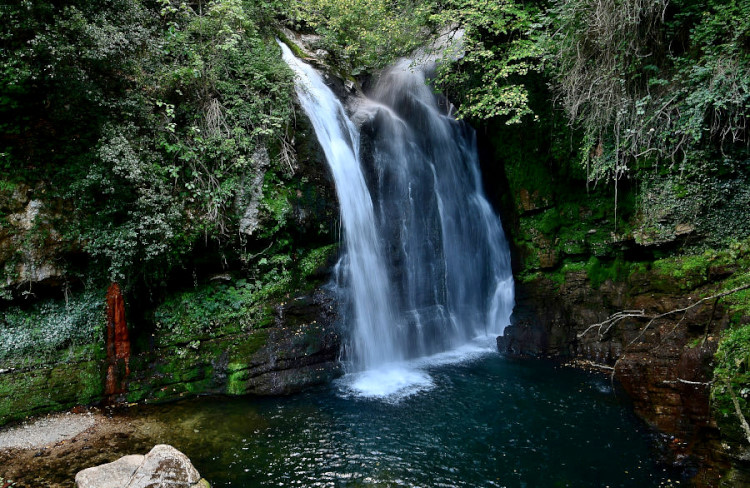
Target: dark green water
<point>488,422</point>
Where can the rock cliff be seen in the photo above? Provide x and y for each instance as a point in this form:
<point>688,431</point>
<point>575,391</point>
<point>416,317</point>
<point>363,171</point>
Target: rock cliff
<point>655,331</point>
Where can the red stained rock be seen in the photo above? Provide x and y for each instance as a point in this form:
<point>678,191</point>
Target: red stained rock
<point>118,343</point>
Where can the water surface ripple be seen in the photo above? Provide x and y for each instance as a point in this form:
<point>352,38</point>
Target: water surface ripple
<point>490,421</point>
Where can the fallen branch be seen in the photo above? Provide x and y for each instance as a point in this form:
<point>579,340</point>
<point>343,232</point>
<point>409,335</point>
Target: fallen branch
<point>615,318</point>
<point>590,364</point>
<point>611,321</point>
<point>689,307</point>
<point>688,382</point>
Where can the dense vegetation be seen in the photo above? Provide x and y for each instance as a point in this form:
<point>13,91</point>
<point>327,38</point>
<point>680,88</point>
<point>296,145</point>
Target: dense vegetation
<point>150,115</point>
<point>649,94</point>
<point>146,116</point>
<point>145,125</point>
<point>134,136</point>
<point>622,129</point>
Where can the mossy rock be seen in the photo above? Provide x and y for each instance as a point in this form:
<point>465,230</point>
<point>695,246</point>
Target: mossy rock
<point>42,390</point>
<point>732,382</point>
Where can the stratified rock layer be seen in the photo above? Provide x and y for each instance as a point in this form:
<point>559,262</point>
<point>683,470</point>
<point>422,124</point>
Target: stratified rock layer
<point>664,366</point>
<point>300,350</point>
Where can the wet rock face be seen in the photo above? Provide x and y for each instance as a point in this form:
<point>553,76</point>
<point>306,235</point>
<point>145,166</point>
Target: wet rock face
<point>249,198</point>
<point>665,368</point>
<point>30,242</point>
<point>300,349</point>
<point>528,201</point>
<point>118,343</point>
<point>163,467</point>
<point>297,348</point>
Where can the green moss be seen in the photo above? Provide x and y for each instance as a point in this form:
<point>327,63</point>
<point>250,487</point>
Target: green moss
<point>54,355</point>
<point>529,276</point>
<point>732,369</point>
<point>292,46</point>
<point>173,376</point>
<point>316,259</point>
<point>37,391</point>
<point>688,272</point>
<point>198,367</point>
<point>237,381</point>
<point>535,179</point>
<point>599,271</point>
<point>246,346</point>
<point>546,222</point>
<point>739,302</point>
<point>581,225</point>
<point>219,309</point>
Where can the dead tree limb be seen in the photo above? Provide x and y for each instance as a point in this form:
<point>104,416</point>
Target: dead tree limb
<point>615,318</point>
<point>687,382</point>
<point>611,321</point>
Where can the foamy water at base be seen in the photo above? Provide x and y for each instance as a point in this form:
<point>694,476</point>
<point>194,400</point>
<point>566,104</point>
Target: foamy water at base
<point>392,382</point>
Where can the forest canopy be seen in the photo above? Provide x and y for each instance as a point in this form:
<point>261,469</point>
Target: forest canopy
<point>654,95</point>
<point>145,114</point>
<point>148,114</point>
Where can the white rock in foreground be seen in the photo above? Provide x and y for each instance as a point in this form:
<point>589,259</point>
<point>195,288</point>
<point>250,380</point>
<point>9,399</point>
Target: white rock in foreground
<point>163,467</point>
<point>112,475</point>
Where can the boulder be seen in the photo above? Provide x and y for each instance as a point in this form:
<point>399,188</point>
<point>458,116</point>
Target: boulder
<point>163,467</point>
<point>116,474</point>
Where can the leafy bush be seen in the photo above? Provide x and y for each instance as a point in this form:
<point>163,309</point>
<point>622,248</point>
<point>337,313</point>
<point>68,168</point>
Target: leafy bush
<point>222,308</point>
<point>51,327</point>
<point>655,85</point>
<point>364,34</point>
<point>500,48</point>
<point>146,114</point>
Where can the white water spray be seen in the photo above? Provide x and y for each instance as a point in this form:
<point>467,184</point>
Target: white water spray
<point>426,266</point>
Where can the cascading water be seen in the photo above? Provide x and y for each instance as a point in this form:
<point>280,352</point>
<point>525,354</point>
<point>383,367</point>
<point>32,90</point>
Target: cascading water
<point>363,259</point>
<point>426,265</point>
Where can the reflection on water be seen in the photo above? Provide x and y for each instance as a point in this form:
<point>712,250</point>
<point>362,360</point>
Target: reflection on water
<point>486,422</point>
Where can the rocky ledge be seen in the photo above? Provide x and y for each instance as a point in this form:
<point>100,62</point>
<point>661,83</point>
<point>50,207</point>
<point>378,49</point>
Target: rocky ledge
<point>663,360</point>
<point>298,347</point>
<point>299,350</point>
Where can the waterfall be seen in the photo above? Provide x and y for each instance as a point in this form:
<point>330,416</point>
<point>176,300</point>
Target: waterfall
<point>426,265</point>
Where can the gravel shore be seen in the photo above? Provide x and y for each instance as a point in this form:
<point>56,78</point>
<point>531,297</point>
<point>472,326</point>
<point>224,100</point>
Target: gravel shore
<point>48,451</point>
<point>46,431</point>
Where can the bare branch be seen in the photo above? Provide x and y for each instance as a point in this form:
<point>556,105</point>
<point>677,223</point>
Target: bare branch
<point>689,307</point>
<point>615,318</point>
<point>688,382</point>
<point>612,320</point>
